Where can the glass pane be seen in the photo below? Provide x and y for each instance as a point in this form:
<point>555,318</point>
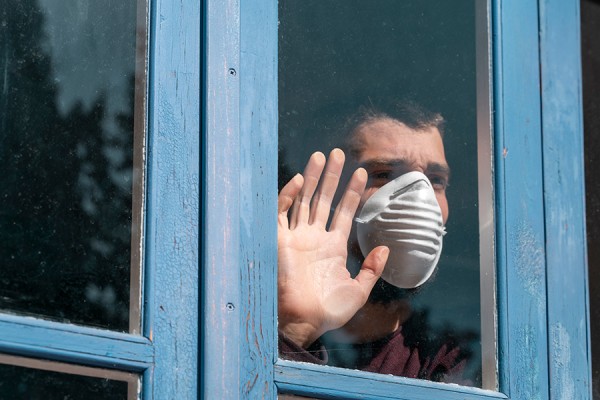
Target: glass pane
<point>30,379</point>
<point>71,134</point>
<point>293,397</point>
<point>590,31</point>
<point>399,86</point>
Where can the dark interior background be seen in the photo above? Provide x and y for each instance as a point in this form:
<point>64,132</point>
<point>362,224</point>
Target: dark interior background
<point>337,55</point>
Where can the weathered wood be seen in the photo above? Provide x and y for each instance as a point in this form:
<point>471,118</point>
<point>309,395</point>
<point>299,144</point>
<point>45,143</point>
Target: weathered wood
<point>258,196</point>
<point>173,217</point>
<point>49,340</point>
<point>223,305</point>
<point>568,316</point>
<point>312,380</point>
<point>519,193</point>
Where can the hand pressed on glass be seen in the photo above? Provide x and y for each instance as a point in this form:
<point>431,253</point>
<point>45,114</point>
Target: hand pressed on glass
<point>316,292</point>
<point>326,316</point>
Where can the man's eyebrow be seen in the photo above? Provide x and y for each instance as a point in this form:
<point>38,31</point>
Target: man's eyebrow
<point>439,168</point>
<point>377,162</point>
<point>434,167</point>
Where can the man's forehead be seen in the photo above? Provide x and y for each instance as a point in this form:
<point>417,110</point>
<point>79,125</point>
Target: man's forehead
<point>387,129</point>
<point>390,141</point>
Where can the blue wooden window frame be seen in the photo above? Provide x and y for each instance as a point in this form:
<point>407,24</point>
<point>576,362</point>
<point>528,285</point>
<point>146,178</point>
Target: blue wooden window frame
<point>541,264</point>
<point>166,356</point>
<point>210,249</point>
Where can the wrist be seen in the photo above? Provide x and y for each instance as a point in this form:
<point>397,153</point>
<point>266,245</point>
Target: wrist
<point>301,333</point>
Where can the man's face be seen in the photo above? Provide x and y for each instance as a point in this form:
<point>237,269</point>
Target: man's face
<point>390,149</point>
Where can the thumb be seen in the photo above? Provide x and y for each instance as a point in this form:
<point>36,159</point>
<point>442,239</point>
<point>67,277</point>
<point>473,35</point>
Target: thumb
<point>372,268</point>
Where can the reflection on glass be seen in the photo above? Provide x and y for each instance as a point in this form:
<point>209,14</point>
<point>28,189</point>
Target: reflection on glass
<point>590,29</point>
<point>29,379</point>
<point>293,397</point>
<point>399,86</point>
<point>68,111</point>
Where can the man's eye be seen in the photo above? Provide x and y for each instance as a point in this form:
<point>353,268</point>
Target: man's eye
<point>438,182</point>
<point>380,175</point>
<point>379,178</point>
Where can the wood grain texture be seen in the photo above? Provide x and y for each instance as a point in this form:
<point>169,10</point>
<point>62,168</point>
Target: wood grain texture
<point>76,344</point>
<point>240,158</point>
<point>519,193</point>
<point>223,307</point>
<point>258,196</point>
<point>172,222</point>
<point>328,382</point>
<point>568,315</point>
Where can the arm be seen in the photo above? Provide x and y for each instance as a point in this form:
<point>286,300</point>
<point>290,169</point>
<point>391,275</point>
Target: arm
<point>316,292</point>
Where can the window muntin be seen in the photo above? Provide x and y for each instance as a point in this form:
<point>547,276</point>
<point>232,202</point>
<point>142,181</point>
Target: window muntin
<point>72,124</point>
<point>334,57</point>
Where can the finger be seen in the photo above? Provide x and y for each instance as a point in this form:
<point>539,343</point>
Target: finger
<point>344,212</point>
<point>372,268</point>
<point>321,203</point>
<point>312,173</point>
<point>286,198</point>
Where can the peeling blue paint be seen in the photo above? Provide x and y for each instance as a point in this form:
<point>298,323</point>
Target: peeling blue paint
<point>568,315</point>
<point>172,247</point>
<point>530,262</point>
<point>561,360</point>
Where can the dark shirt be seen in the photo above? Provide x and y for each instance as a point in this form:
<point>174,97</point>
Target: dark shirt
<point>389,355</point>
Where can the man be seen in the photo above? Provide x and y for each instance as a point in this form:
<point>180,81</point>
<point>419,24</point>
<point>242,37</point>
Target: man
<point>320,301</point>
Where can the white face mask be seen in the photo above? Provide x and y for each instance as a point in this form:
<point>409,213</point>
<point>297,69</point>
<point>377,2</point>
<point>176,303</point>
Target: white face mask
<point>404,215</point>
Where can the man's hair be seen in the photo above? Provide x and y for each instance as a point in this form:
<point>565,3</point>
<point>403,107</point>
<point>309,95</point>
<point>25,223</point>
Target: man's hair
<point>407,112</point>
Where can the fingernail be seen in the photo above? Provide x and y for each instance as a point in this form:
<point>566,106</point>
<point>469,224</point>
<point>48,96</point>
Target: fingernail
<point>383,253</point>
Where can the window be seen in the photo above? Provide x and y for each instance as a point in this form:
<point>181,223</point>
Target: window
<point>344,67</point>
<point>209,255</point>
<point>535,328</point>
<point>56,349</point>
<point>73,132</point>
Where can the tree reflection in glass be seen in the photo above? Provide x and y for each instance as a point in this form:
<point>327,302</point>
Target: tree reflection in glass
<point>66,131</point>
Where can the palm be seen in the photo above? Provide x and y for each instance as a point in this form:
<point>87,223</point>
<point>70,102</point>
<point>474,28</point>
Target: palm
<point>316,291</point>
<point>322,285</point>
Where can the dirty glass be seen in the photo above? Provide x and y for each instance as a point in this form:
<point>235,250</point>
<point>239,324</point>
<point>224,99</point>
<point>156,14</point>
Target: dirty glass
<point>293,397</point>
<point>29,379</point>
<point>590,29</point>
<point>71,143</point>
<point>343,67</point>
